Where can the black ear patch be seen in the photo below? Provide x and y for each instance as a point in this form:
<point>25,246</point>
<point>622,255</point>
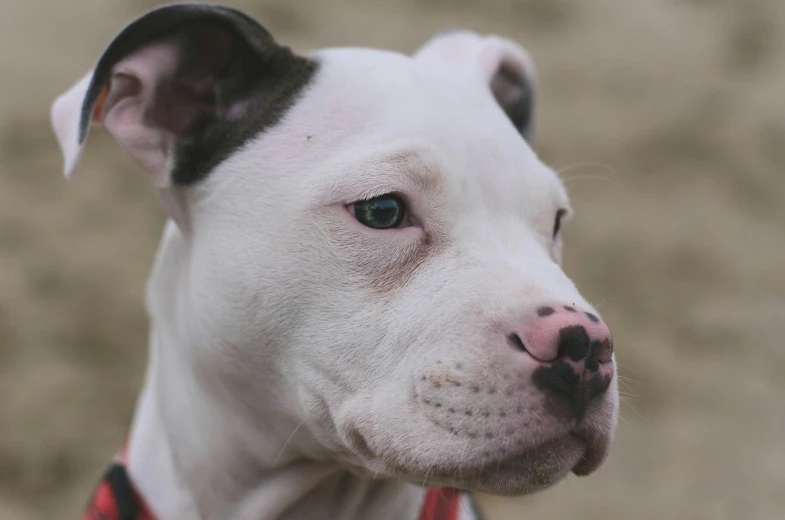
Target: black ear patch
<point>515,94</point>
<point>232,81</point>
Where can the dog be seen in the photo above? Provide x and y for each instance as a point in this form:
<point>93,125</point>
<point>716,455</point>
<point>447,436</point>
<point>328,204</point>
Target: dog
<point>357,308</point>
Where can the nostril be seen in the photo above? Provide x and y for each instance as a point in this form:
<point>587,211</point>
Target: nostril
<point>534,352</point>
<point>516,342</point>
<point>604,350</point>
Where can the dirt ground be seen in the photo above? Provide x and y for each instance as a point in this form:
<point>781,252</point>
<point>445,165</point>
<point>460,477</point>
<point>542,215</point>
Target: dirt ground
<point>668,122</point>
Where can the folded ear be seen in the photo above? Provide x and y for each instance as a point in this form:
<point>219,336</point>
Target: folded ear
<point>504,66</point>
<point>175,89</point>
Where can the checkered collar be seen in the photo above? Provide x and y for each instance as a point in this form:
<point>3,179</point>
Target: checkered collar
<point>115,498</point>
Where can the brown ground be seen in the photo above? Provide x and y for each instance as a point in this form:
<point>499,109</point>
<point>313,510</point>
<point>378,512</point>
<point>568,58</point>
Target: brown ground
<point>668,120</point>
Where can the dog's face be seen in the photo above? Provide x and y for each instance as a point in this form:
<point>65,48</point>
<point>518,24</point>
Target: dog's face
<point>368,245</point>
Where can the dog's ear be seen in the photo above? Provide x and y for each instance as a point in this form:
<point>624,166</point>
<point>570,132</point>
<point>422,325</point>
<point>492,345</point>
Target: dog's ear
<point>504,66</point>
<point>172,85</point>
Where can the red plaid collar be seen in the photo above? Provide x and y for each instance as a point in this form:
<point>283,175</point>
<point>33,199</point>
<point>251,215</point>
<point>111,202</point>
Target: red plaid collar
<point>116,499</point>
<point>441,504</point>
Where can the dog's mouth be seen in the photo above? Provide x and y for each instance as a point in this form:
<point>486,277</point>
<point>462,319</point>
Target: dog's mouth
<point>596,451</point>
<point>519,473</point>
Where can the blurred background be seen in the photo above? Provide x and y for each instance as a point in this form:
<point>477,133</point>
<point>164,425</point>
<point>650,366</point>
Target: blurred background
<point>667,121</point>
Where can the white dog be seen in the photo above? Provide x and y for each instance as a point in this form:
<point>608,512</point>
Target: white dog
<point>358,293</point>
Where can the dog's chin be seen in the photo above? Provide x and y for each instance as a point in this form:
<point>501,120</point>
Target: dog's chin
<point>527,472</point>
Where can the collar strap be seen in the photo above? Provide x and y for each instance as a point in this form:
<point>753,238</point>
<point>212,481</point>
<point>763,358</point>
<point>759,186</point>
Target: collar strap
<point>116,499</point>
<point>441,504</point>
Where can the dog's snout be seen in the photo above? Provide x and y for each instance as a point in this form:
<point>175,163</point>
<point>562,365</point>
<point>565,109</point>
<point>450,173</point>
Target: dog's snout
<point>574,349</point>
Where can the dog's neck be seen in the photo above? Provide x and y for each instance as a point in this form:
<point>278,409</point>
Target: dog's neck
<point>195,454</point>
<point>203,475</point>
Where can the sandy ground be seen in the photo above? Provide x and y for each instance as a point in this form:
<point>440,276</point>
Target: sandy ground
<point>668,122</point>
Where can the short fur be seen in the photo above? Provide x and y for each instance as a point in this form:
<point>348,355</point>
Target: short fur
<point>303,365</point>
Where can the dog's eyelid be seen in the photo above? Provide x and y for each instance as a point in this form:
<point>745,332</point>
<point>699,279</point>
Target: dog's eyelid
<point>379,193</point>
<point>562,215</point>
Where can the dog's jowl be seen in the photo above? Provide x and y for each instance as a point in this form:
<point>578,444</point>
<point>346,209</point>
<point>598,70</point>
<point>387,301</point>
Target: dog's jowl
<point>358,296</point>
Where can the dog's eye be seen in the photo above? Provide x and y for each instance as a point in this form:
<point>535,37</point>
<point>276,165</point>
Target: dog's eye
<point>385,212</point>
<point>557,223</point>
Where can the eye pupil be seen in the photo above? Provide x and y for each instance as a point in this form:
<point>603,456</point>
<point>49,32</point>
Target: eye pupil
<point>385,212</point>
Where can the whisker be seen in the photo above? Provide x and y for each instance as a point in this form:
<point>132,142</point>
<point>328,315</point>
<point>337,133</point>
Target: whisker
<point>627,368</point>
<point>465,507</point>
<point>570,180</point>
<point>622,418</point>
<point>626,388</point>
<point>635,410</point>
<point>287,443</point>
<point>585,164</point>
<point>603,302</point>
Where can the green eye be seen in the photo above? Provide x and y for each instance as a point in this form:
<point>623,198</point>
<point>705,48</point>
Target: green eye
<point>385,212</point>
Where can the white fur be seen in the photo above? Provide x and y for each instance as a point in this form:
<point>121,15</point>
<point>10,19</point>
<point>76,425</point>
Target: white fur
<point>65,114</point>
<point>278,340</point>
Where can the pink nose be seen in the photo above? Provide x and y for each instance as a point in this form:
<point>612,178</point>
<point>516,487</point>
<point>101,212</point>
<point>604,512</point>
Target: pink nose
<point>564,332</point>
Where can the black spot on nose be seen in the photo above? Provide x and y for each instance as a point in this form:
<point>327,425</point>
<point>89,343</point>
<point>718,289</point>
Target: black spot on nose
<point>592,361</point>
<point>567,394</point>
<point>596,386</point>
<point>562,385</point>
<point>592,317</point>
<point>574,342</point>
<point>545,311</point>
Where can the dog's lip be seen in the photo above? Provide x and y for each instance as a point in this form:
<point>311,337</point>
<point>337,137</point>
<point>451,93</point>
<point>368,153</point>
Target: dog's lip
<point>596,451</point>
<point>525,456</point>
<point>510,462</point>
<point>520,473</point>
<point>583,447</point>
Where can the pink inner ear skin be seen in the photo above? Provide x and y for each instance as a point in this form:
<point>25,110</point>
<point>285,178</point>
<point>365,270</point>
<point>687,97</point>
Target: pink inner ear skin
<point>171,84</point>
<point>147,107</point>
<point>179,103</point>
<point>121,87</point>
<point>181,69</point>
<point>128,111</point>
<point>97,116</point>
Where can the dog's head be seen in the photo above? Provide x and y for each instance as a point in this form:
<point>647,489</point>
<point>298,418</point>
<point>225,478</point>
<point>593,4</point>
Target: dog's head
<point>366,243</point>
